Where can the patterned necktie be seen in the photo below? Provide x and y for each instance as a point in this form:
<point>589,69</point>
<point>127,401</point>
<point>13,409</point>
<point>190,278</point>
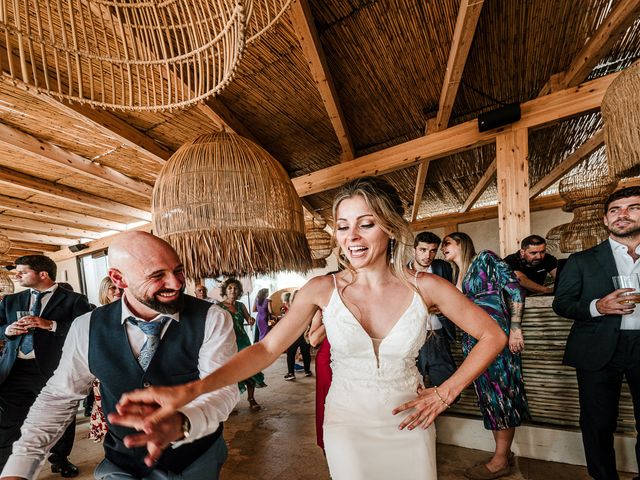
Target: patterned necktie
<point>152,331</point>
<point>26,344</point>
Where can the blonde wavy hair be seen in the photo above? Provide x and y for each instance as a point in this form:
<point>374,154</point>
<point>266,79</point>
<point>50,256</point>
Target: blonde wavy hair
<point>385,203</point>
<point>467,252</point>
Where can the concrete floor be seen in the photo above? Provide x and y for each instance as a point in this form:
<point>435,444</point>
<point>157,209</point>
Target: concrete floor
<point>279,442</point>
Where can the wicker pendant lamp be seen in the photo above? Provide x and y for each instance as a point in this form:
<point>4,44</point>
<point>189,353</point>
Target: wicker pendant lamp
<point>6,284</point>
<point>586,193</point>
<point>131,55</point>
<point>5,244</point>
<point>621,114</point>
<point>319,240</point>
<point>229,208</point>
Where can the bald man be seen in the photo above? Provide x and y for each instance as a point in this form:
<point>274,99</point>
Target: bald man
<point>154,335</point>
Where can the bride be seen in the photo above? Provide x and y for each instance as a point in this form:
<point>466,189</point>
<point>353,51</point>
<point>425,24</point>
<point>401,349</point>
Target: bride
<point>378,417</point>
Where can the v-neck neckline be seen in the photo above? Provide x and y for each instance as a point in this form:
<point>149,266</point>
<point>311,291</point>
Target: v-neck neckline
<point>413,299</point>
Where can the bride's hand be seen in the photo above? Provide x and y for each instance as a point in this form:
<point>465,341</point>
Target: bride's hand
<point>165,400</point>
<point>427,406</point>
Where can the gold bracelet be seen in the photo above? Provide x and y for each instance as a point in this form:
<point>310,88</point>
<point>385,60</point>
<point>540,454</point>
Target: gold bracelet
<point>440,397</point>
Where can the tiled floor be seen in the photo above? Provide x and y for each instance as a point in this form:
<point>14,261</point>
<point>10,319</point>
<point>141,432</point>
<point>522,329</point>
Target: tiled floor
<point>279,442</point>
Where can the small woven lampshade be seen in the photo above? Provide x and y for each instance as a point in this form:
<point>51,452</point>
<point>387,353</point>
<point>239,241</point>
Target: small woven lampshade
<point>319,240</point>
<point>6,284</point>
<point>229,208</point>
<point>621,114</point>
<point>553,238</point>
<point>586,230</point>
<point>5,244</point>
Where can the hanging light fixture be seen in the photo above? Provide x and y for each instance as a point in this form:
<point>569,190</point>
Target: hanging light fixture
<point>131,55</point>
<point>5,244</point>
<point>229,208</point>
<point>6,284</point>
<point>319,240</point>
<point>621,115</point>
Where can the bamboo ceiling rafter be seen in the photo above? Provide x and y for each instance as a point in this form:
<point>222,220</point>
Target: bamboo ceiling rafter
<point>40,148</point>
<point>586,149</point>
<point>57,215</point>
<point>463,34</point>
<point>13,178</point>
<point>599,44</point>
<point>465,136</point>
<point>304,26</point>
<point>35,226</point>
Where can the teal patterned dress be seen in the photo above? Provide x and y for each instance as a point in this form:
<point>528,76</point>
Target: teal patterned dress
<point>242,341</point>
<point>500,388</point>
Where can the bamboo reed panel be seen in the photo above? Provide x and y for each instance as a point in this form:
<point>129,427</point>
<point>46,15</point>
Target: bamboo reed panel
<point>552,388</point>
<point>229,208</point>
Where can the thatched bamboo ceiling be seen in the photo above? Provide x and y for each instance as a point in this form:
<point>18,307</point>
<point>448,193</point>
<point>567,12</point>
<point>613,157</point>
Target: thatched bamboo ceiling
<point>62,166</point>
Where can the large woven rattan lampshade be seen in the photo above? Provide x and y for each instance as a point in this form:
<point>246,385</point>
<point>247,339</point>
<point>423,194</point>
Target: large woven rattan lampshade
<point>5,244</point>
<point>6,285</point>
<point>131,55</point>
<point>621,114</point>
<point>229,208</point>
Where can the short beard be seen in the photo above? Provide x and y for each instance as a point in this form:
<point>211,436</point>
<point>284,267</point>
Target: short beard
<point>166,308</point>
<point>630,233</point>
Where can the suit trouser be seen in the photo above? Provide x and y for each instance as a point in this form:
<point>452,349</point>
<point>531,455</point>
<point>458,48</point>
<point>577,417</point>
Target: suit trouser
<point>435,359</point>
<point>599,393</point>
<point>305,351</point>
<point>17,394</point>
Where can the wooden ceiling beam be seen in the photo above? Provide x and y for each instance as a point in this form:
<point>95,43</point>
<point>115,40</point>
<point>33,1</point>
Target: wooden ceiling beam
<point>33,247</point>
<point>480,188</point>
<point>38,186</point>
<point>19,235</point>
<point>55,215</point>
<point>43,149</point>
<point>305,28</point>
<point>102,120</point>
<point>486,213</point>
<point>36,226</point>
<point>599,44</point>
<point>465,136</point>
<point>463,33</point>
<point>584,150</point>
<point>19,252</point>
<point>421,178</point>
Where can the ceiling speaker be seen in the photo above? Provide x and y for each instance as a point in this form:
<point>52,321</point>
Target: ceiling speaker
<point>499,117</point>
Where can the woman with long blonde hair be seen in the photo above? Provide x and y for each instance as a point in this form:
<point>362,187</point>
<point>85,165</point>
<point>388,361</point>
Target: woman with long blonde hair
<point>379,419</point>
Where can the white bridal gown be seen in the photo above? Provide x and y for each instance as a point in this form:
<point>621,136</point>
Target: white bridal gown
<point>361,436</point>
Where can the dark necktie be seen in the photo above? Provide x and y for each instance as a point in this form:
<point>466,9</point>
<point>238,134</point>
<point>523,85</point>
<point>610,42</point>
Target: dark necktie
<point>26,344</point>
<point>152,331</point>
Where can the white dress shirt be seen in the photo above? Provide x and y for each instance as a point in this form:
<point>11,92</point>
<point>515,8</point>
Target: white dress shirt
<point>70,383</point>
<point>625,266</point>
<point>43,303</point>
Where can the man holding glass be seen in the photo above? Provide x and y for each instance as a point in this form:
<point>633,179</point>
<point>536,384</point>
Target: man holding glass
<point>34,324</point>
<point>604,341</point>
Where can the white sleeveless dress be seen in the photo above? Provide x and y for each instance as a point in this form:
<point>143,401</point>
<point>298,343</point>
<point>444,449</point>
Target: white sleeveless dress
<point>361,436</point>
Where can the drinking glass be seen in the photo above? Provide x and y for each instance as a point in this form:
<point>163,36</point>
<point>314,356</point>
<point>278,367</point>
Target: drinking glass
<point>628,281</point>
<point>23,313</point>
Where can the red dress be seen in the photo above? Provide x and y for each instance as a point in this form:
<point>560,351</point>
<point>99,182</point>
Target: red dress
<point>323,382</point>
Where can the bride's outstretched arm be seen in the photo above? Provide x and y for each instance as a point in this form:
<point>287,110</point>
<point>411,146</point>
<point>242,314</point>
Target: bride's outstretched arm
<point>243,365</point>
<point>477,323</point>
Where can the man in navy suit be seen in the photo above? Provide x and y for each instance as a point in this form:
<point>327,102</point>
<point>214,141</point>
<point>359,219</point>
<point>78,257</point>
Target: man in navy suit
<point>604,342</point>
<point>434,359</point>
<point>32,350</point>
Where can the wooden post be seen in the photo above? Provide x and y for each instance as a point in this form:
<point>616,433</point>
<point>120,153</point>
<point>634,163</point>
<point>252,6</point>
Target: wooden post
<point>512,152</point>
<point>450,228</point>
